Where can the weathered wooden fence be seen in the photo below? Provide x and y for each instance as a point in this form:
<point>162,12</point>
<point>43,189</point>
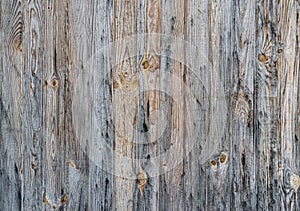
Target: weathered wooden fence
<point>149,105</point>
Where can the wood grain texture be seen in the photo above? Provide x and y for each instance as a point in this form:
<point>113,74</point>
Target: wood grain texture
<point>73,82</point>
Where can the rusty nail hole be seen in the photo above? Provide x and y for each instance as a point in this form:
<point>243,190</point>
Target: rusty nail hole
<point>262,57</point>
<point>223,157</point>
<point>45,82</point>
<point>54,207</point>
<point>213,162</point>
<point>115,84</point>
<point>145,65</point>
<point>54,82</point>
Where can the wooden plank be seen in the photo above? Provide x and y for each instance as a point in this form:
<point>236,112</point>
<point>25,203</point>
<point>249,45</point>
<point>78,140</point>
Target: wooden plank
<point>124,103</point>
<point>11,101</point>
<point>206,169</point>
<point>242,148</point>
<point>54,105</point>
<point>103,23</point>
<point>33,160</point>
<point>78,26</point>
<point>172,106</point>
<point>276,105</point>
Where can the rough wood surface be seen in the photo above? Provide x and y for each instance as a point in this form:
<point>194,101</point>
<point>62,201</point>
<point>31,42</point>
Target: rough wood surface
<point>149,105</point>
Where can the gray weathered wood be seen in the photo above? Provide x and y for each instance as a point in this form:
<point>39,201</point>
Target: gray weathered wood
<point>225,103</point>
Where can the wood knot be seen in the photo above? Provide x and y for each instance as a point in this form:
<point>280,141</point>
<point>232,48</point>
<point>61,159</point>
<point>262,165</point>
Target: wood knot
<point>20,47</point>
<point>295,182</point>
<point>115,84</point>
<point>262,57</point>
<point>150,64</point>
<point>45,200</point>
<point>142,179</point>
<point>32,165</point>
<point>72,164</point>
<point>63,199</point>
<point>213,163</point>
<point>127,81</point>
<point>223,157</point>
<point>125,74</point>
<point>54,82</point>
<point>145,65</point>
<point>242,106</point>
